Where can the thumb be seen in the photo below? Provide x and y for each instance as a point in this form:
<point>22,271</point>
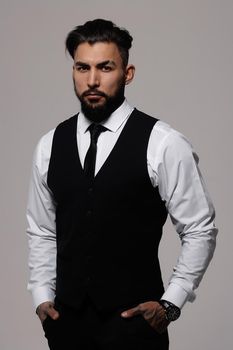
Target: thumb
<point>51,312</point>
<point>131,312</point>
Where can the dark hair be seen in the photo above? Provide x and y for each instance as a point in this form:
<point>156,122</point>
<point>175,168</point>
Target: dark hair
<point>100,30</point>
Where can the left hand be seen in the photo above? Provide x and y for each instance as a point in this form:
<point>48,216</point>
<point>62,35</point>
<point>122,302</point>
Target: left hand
<point>152,312</point>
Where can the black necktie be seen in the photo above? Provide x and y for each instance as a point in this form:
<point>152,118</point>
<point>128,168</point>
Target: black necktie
<point>89,162</point>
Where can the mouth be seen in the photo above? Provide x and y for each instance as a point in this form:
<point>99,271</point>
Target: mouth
<point>94,96</point>
<point>93,93</point>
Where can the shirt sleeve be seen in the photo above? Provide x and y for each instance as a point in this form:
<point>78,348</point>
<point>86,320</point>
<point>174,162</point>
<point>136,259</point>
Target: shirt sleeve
<point>174,169</point>
<point>41,228</point>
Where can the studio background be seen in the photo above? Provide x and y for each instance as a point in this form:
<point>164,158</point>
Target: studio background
<point>183,54</point>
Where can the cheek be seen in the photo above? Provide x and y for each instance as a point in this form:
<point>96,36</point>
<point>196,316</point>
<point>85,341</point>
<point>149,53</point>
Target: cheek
<point>79,85</point>
<point>112,85</point>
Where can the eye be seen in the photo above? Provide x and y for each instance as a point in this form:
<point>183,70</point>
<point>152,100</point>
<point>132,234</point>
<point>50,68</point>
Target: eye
<point>81,68</point>
<point>106,68</point>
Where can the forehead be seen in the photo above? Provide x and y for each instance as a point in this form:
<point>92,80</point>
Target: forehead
<point>97,52</point>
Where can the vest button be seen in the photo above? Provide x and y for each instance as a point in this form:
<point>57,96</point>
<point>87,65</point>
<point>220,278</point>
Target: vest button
<point>90,191</point>
<point>89,258</point>
<point>88,213</point>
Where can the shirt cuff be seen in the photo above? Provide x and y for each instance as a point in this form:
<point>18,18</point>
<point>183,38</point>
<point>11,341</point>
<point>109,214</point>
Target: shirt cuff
<point>176,295</point>
<point>42,294</point>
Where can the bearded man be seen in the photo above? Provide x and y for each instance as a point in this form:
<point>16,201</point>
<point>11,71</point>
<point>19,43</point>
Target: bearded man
<point>103,183</point>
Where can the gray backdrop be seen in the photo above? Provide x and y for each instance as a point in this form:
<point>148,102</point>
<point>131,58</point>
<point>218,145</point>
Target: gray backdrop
<point>183,54</point>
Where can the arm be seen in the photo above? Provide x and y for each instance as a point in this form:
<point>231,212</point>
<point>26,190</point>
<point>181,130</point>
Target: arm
<point>191,210</point>
<point>173,167</point>
<point>41,228</point>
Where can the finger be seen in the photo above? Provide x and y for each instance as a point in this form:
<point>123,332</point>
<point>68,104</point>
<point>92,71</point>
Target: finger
<point>53,313</point>
<point>132,312</point>
<point>42,316</point>
<point>161,328</point>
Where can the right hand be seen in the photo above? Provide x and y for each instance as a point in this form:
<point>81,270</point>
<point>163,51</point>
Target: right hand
<point>152,312</point>
<point>45,310</point>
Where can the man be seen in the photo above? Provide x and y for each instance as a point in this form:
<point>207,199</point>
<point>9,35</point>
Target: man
<point>102,185</point>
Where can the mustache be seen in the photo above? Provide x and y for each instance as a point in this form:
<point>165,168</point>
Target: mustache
<point>93,92</point>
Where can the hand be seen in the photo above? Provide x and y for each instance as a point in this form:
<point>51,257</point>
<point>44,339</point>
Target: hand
<point>152,312</point>
<point>47,309</point>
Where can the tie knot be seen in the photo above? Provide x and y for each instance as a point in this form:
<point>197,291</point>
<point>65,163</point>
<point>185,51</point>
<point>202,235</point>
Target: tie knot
<point>95,131</point>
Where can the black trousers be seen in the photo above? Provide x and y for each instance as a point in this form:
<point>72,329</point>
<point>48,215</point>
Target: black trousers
<point>89,329</point>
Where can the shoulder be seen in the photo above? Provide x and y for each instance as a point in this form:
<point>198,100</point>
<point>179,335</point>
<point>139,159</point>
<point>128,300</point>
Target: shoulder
<point>167,135</point>
<point>43,151</point>
<point>162,133</point>
<point>165,141</point>
<point>44,145</point>
<point>67,123</point>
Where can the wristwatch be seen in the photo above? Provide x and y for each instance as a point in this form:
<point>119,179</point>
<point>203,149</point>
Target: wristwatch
<point>172,311</point>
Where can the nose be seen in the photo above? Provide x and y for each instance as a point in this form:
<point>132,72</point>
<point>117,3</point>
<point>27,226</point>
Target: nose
<point>93,79</point>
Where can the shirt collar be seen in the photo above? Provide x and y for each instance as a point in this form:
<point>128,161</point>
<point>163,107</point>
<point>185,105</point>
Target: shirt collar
<point>113,123</point>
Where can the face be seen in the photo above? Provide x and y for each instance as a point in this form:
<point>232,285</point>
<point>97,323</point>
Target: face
<point>100,79</point>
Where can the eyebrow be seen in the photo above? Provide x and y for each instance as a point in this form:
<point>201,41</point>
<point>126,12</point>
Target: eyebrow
<point>80,63</point>
<point>99,65</point>
<point>105,63</point>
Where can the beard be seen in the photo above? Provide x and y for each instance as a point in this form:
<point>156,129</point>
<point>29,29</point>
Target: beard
<point>97,113</point>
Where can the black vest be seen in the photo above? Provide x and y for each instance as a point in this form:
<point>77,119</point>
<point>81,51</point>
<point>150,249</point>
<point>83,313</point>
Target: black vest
<point>108,230</point>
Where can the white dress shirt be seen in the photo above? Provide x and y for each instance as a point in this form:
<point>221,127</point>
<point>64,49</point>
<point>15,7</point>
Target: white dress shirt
<point>172,167</point>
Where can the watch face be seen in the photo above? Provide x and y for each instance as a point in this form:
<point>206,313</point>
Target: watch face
<point>173,313</point>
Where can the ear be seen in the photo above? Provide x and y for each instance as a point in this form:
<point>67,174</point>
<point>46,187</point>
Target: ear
<point>129,73</point>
